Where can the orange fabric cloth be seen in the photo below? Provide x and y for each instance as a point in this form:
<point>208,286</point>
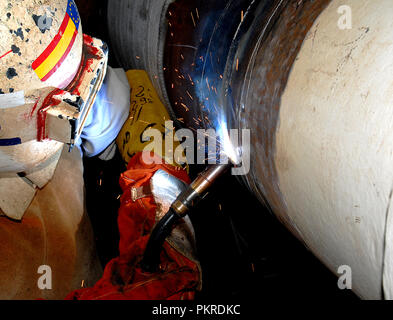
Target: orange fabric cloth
<point>123,278</point>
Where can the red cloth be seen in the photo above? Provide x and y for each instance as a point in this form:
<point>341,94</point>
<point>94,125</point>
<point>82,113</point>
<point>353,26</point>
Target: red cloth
<point>123,277</point>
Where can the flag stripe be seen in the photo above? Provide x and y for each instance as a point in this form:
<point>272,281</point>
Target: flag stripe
<point>52,45</point>
<point>62,58</point>
<point>52,61</point>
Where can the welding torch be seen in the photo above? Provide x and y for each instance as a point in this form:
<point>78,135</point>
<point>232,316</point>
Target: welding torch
<point>179,209</point>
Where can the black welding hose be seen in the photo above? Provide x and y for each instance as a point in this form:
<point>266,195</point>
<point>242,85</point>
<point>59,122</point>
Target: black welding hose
<point>179,208</point>
<point>151,258</point>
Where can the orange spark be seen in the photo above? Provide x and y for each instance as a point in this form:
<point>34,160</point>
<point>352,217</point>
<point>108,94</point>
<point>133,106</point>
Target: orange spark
<point>185,107</point>
<point>189,95</point>
<point>193,21</point>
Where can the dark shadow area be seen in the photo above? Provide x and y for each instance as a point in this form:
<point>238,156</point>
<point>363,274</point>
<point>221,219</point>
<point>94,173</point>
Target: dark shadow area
<point>103,201</point>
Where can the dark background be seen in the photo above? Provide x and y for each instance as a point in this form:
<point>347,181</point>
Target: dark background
<point>243,249</point>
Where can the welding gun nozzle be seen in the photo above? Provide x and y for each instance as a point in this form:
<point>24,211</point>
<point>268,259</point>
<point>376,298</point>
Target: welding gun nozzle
<point>197,189</point>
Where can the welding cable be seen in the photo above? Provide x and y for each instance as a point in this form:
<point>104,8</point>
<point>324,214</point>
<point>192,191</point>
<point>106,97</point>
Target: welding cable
<point>179,209</point>
<point>151,258</point>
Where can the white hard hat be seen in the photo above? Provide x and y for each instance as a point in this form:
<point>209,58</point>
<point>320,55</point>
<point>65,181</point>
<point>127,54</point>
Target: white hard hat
<point>50,73</point>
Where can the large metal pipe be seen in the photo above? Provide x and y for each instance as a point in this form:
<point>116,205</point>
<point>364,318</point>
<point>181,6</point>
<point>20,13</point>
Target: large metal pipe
<point>314,87</point>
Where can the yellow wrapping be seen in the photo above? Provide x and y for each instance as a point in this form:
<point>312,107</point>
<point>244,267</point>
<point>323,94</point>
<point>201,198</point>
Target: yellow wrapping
<point>146,111</point>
